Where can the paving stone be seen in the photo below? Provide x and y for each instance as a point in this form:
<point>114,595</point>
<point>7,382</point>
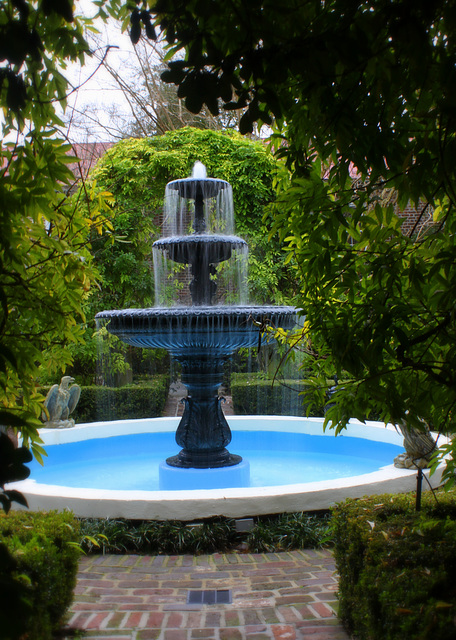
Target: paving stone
<point>230,634</point>
<point>269,616</point>
<point>175,634</point>
<point>116,620</point>
<point>175,620</point>
<point>148,634</point>
<point>284,632</point>
<point>251,618</point>
<point>294,599</point>
<point>232,618</point>
<point>213,618</point>
<point>203,633</point>
<point>288,614</point>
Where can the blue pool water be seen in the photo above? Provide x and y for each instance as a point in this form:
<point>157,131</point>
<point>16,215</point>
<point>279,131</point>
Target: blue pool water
<point>131,462</point>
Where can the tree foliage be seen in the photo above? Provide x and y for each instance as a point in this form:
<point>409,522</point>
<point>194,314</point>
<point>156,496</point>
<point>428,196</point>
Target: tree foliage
<point>353,89</point>
<point>45,265</point>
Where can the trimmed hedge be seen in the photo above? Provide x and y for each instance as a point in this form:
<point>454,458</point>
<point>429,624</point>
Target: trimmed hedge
<point>252,394</point>
<point>146,400</point>
<point>397,566</point>
<point>44,557</point>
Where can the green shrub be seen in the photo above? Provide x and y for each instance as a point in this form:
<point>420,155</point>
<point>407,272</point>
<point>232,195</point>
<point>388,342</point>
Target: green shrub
<point>45,554</point>
<point>157,537</point>
<point>288,531</point>
<point>145,400</point>
<point>397,567</point>
<point>270,533</point>
<point>253,394</point>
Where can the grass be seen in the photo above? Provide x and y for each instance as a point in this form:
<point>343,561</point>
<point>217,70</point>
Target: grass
<point>271,533</point>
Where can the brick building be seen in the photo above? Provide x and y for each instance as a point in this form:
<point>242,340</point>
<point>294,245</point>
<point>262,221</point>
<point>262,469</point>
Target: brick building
<point>88,154</point>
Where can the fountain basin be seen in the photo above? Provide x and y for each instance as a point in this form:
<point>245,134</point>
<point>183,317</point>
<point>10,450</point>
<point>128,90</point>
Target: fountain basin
<point>232,502</point>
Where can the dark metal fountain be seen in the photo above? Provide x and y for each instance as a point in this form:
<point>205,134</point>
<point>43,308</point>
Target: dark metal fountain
<point>204,335</point>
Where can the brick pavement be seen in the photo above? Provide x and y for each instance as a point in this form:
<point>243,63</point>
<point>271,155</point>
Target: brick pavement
<point>277,596</point>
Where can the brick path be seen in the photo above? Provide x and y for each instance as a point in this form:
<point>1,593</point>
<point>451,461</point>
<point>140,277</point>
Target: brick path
<point>279,596</point>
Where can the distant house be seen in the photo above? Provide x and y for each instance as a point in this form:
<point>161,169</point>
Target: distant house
<point>88,154</point>
<point>414,220</point>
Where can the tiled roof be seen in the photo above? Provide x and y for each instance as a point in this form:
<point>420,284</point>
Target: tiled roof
<point>88,153</point>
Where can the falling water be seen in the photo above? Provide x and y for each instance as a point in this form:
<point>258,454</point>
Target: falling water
<point>179,208</point>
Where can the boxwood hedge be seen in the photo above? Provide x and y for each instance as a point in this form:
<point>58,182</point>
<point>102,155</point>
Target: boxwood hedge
<point>397,567</point>
<point>254,394</point>
<point>43,557</point>
<point>145,400</point>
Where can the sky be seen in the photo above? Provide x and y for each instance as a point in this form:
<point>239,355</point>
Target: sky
<point>97,90</point>
<point>98,93</point>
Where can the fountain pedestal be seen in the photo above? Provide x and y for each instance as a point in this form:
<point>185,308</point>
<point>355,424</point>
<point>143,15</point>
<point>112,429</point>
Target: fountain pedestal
<point>203,432</point>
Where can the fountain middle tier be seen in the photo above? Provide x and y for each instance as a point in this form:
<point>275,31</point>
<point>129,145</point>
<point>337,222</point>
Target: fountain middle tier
<point>210,249</point>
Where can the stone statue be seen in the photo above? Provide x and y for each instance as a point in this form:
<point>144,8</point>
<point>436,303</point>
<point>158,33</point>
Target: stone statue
<point>419,446</point>
<point>60,402</point>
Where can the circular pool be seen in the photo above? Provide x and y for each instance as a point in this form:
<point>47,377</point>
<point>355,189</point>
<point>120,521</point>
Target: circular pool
<point>112,469</point>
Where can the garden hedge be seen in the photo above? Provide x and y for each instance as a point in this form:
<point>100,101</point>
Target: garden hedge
<point>146,400</point>
<point>42,557</point>
<point>397,566</point>
<point>253,394</point>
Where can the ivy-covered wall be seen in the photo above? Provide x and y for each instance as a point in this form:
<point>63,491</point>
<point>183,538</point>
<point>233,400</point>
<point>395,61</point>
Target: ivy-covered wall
<point>136,172</point>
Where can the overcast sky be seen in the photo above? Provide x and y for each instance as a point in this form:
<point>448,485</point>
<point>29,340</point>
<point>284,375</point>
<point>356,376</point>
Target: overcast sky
<point>98,91</point>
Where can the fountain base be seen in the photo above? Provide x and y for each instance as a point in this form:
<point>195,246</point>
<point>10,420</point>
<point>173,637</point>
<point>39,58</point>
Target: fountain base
<point>204,459</point>
<point>175,478</point>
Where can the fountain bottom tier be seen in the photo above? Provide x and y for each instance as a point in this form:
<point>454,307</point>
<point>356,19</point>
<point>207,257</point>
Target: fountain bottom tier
<point>201,339</point>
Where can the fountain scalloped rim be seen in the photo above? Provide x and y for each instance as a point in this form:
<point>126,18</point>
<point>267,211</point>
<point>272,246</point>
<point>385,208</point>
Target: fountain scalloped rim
<point>175,328</point>
<point>216,248</point>
<point>236,502</point>
<point>186,186</point>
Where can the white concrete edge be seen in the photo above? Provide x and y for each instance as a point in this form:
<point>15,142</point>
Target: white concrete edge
<point>369,430</point>
<point>238,502</point>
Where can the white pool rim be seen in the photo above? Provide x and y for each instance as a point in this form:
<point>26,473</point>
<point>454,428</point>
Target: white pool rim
<point>236,502</point>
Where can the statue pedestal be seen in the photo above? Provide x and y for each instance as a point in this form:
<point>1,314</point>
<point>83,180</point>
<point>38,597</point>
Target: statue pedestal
<point>59,424</point>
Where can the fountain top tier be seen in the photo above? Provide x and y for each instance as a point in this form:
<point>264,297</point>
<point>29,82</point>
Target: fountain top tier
<point>198,185</point>
<point>208,200</point>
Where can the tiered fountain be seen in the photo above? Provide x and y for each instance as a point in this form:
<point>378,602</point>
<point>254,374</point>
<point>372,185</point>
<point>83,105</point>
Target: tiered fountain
<point>202,336</point>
